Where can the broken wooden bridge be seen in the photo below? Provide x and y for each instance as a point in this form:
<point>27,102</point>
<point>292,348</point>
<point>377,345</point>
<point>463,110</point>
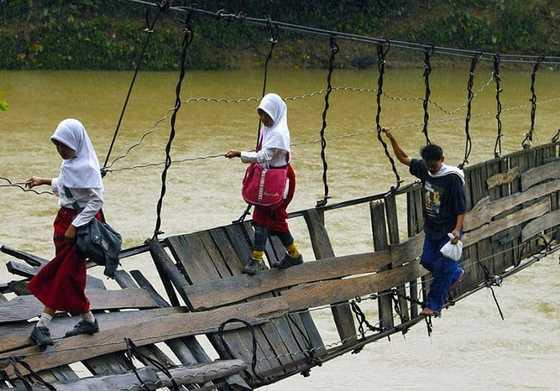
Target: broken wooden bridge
<point>262,327</point>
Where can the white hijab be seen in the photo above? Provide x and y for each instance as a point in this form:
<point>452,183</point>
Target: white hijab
<point>277,136</point>
<point>82,171</point>
<point>448,170</point>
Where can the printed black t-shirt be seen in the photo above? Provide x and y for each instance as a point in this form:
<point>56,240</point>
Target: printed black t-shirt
<point>443,199</point>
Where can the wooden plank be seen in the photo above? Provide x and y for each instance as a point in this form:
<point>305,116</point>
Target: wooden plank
<point>29,258</point>
<point>26,307</point>
<point>320,293</point>
<point>539,174</point>
<point>538,209</point>
<point>187,349</point>
<point>540,224</point>
<point>191,254</point>
<point>297,332</point>
<point>14,336</point>
<point>146,332</point>
<point>24,270</point>
<point>380,243</point>
<point>485,210</point>
<point>239,287</point>
<point>394,238</point>
<point>412,229</point>
<point>152,379</point>
<point>502,178</point>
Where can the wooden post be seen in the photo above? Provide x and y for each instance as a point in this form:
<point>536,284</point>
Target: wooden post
<point>380,242</point>
<point>393,226</point>
<point>322,248</point>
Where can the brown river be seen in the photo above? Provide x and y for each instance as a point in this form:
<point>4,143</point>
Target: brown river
<point>471,348</point>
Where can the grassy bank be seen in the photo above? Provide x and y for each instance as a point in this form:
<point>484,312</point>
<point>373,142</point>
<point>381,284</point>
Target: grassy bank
<point>89,34</point>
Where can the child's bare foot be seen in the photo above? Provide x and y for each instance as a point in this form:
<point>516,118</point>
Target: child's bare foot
<point>428,312</point>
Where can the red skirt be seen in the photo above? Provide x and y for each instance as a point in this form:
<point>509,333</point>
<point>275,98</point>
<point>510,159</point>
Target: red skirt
<point>60,284</point>
<point>275,218</point>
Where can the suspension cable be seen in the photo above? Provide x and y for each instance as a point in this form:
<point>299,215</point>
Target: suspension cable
<point>187,39</point>
<point>334,48</point>
<point>470,96</point>
<point>427,71</point>
<point>382,50</point>
<point>498,80</point>
<point>242,18</point>
<point>162,6</point>
<point>528,141</point>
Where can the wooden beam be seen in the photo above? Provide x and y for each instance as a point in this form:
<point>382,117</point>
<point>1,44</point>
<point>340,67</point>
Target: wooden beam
<point>540,224</point>
<point>317,294</point>
<point>502,178</point>
<point>380,243</point>
<point>236,288</point>
<point>322,248</point>
<point>30,259</point>
<point>14,336</point>
<point>153,379</point>
<point>27,307</point>
<point>540,174</point>
<point>485,210</point>
<point>507,222</point>
<point>146,332</point>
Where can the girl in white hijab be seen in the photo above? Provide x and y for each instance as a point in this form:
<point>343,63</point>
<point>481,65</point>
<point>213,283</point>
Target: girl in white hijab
<point>273,151</point>
<point>61,283</point>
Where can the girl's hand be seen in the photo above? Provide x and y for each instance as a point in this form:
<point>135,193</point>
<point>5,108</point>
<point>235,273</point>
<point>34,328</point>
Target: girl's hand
<point>70,233</point>
<point>232,153</point>
<point>34,181</point>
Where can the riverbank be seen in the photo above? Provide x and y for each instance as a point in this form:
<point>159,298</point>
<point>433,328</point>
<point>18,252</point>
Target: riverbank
<point>108,35</point>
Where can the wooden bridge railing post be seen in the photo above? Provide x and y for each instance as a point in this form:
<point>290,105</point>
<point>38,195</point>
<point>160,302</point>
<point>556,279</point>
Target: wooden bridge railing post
<point>322,248</point>
<point>381,242</point>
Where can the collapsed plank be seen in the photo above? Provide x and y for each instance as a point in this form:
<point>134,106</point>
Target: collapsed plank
<point>239,287</point>
<point>146,332</point>
<point>509,221</point>
<point>152,379</point>
<point>485,210</point>
<point>26,307</point>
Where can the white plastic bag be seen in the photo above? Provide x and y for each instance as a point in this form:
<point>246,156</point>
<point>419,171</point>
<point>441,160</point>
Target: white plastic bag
<point>453,251</point>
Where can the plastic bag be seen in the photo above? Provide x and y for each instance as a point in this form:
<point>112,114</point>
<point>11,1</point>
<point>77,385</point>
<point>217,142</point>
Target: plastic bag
<point>452,250</point>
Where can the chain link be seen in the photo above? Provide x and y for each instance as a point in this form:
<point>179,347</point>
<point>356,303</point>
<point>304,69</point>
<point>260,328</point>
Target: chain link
<point>427,71</point>
<point>333,51</point>
<point>470,97</point>
<point>528,141</point>
<point>498,79</point>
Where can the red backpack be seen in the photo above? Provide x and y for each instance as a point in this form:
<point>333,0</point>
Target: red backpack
<point>264,186</point>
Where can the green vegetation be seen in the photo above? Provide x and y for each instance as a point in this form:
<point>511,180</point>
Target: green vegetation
<point>107,34</point>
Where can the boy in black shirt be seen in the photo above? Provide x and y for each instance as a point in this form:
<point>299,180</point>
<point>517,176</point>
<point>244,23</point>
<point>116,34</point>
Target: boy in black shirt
<point>443,208</point>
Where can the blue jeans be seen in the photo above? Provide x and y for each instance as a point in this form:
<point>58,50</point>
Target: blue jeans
<point>444,271</point>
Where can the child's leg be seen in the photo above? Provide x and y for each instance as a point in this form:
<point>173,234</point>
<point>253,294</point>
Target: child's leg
<point>256,263</point>
<point>261,235</point>
<point>288,241</point>
<point>41,335</point>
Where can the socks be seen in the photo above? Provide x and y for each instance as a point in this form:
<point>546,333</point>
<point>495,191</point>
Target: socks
<point>88,317</point>
<point>292,250</point>
<point>257,255</point>
<point>44,320</point>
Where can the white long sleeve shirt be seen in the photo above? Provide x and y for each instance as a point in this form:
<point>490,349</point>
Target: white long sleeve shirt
<point>267,157</point>
<point>89,200</point>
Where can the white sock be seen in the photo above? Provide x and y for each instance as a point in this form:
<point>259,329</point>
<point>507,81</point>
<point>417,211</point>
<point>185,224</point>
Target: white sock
<point>44,320</point>
<point>88,317</point>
